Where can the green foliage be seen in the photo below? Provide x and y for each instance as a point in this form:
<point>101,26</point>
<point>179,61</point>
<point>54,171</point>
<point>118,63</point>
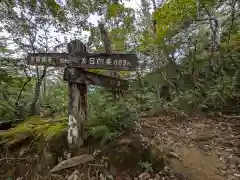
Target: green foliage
<point>45,6</point>
<point>146,166</point>
<point>172,14</point>
<point>108,119</point>
<point>10,86</point>
<point>179,54</point>
<point>114,9</point>
<point>55,99</point>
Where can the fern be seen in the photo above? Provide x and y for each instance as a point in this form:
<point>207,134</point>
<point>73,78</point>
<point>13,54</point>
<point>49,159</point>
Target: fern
<point>108,120</point>
<point>7,110</point>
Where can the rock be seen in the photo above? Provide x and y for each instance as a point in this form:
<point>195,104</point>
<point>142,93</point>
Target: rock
<point>110,177</point>
<point>154,155</point>
<point>74,176</point>
<point>102,177</point>
<point>125,154</point>
<point>157,177</point>
<point>237,175</point>
<point>144,176</point>
<point>85,158</point>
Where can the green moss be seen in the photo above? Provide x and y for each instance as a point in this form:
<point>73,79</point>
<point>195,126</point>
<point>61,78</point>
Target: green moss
<point>54,130</point>
<point>21,129</point>
<point>38,126</point>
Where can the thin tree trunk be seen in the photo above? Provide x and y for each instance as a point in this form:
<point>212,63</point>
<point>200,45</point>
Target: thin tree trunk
<point>194,77</point>
<point>37,92</point>
<point>140,85</point>
<point>107,46</point>
<point>20,93</point>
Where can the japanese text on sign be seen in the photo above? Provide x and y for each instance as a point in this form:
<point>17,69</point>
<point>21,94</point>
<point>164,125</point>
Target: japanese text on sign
<point>85,60</point>
<point>102,61</point>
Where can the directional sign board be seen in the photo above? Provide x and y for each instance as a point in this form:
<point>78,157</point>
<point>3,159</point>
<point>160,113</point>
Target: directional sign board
<point>82,76</point>
<point>49,59</point>
<point>106,61</point>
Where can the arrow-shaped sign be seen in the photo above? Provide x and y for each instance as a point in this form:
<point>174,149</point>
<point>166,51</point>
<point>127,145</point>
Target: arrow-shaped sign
<point>82,76</point>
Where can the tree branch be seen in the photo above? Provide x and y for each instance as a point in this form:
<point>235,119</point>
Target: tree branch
<point>20,93</point>
<point>234,2</point>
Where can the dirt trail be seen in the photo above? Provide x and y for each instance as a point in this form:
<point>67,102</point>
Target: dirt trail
<point>196,148</point>
<point>192,148</point>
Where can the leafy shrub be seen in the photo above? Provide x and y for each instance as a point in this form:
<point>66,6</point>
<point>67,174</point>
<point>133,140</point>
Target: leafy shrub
<point>108,119</point>
<point>146,166</point>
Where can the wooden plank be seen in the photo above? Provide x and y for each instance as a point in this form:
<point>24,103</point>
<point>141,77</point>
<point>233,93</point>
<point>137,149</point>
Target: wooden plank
<point>82,76</point>
<point>49,59</point>
<point>126,62</point>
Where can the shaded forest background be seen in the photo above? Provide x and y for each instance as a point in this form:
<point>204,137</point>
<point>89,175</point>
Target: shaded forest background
<point>189,58</point>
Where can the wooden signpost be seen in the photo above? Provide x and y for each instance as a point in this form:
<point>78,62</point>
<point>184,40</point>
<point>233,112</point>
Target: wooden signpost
<point>124,62</point>
<point>76,61</point>
<point>91,78</point>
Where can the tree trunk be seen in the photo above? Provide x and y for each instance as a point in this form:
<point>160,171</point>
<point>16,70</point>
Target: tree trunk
<point>37,92</point>
<point>36,96</point>
<point>20,93</point>
<point>108,49</point>
<point>140,84</point>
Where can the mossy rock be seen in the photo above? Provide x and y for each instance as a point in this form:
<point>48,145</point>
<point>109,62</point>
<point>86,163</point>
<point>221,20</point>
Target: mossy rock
<point>154,156</point>
<point>37,126</point>
<point>43,131</point>
<point>127,152</point>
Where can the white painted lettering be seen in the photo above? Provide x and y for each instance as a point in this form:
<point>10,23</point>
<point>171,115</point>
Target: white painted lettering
<point>84,61</point>
<point>120,62</point>
<point>109,61</point>
<point>124,62</point>
<point>92,60</point>
<point>62,60</point>
<point>115,62</point>
<point>128,63</point>
<point>118,83</point>
<point>100,61</point>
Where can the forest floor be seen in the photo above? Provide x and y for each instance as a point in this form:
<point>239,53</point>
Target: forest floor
<point>193,148</point>
<point>202,148</point>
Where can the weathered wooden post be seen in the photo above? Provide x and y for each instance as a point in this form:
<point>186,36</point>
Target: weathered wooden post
<point>76,61</point>
<point>77,105</point>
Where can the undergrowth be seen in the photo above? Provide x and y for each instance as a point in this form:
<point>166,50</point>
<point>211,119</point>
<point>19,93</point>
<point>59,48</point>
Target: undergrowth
<point>108,119</point>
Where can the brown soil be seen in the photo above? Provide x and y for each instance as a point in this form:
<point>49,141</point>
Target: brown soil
<point>192,148</point>
<point>198,148</point>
